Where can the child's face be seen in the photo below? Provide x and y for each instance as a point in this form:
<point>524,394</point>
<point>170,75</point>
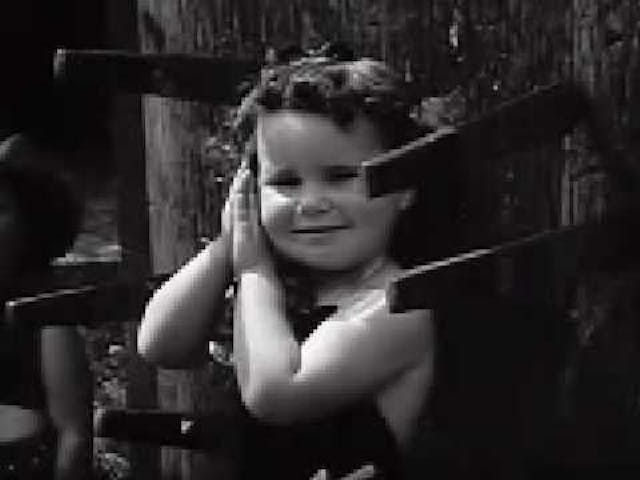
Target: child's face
<point>314,205</point>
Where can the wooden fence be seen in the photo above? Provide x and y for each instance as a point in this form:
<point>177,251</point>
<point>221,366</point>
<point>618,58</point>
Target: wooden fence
<point>577,379</point>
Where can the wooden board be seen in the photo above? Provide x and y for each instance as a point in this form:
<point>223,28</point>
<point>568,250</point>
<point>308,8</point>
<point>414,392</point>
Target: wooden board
<point>186,76</point>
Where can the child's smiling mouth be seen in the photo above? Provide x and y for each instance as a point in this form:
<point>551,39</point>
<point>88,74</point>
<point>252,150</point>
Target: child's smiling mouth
<point>319,229</point>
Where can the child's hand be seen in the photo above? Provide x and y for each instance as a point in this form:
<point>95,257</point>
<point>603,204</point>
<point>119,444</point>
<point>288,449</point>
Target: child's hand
<point>227,220</point>
<point>364,472</point>
<point>249,247</point>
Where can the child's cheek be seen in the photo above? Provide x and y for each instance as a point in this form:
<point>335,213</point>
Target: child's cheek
<point>379,210</point>
<point>276,211</point>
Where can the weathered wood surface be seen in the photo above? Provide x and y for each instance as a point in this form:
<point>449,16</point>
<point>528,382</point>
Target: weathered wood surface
<point>178,429</point>
<point>127,134</point>
<point>608,245</point>
<point>108,301</point>
<point>186,76</point>
<point>179,195</point>
<point>518,125</point>
<point>600,414</point>
<point>491,51</point>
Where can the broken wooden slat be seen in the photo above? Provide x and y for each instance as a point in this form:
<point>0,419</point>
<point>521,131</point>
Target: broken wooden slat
<point>543,115</point>
<point>185,76</point>
<point>86,305</point>
<point>598,245</point>
<point>89,305</point>
<point>83,305</point>
<point>176,429</point>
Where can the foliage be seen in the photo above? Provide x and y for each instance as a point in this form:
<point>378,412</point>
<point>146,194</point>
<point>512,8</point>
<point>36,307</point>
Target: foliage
<point>108,359</point>
<point>105,344</point>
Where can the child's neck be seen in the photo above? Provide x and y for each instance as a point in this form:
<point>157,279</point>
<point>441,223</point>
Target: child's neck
<point>328,287</point>
<point>334,287</point>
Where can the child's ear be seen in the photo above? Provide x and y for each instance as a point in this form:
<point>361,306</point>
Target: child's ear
<point>406,199</point>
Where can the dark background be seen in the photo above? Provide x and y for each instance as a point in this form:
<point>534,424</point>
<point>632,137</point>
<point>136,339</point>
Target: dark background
<point>30,31</point>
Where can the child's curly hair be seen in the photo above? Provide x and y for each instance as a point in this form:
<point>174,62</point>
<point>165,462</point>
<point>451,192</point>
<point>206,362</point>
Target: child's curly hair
<point>330,81</point>
<point>49,207</point>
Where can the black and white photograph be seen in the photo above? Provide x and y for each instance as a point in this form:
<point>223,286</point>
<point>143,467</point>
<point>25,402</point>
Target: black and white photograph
<point>319,239</point>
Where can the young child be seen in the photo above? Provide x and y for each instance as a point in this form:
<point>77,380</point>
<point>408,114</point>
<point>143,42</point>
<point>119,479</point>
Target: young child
<point>300,235</point>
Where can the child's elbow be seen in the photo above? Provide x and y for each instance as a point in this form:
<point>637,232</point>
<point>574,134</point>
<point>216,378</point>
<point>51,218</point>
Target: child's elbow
<point>154,354</point>
<point>147,346</point>
<point>268,405</point>
<point>166,352</point>
<point>149,342</point>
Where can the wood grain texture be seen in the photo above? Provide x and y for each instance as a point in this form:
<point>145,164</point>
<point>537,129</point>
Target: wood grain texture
<point>541,388</point>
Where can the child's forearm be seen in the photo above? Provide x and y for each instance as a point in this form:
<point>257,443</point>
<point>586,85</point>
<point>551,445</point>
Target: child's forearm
<point>178,319</point>
<point>269,354</point>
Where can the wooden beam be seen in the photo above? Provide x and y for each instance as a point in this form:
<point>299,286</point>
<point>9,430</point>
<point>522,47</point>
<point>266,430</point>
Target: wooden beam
<point>186,76</point>
<point>89,305</point>
<point>604,245</point>
<point>128,149</point>
<point>520,124</point>
<point>175,429</point>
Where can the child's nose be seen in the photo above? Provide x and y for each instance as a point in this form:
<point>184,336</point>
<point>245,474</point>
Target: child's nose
<point>313,200</point>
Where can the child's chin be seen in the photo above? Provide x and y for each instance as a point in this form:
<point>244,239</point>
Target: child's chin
<point>332,258</point>
<point>326,262</point>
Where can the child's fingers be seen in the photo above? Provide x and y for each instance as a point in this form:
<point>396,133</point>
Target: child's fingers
<point>363,473</point>
<point>241,200</point>
<point>229,208</point>
<point>321,474</point>
<point>237,181</point>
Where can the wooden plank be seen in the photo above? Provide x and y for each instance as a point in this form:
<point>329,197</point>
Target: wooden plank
<point>516,125</point>
<point>84,305</point>
<point>88,305</point>
<point>166,428</point>
<point>603,245</point>
<point>133,227</point>
<point>175,133</point>
<point>186,76</point>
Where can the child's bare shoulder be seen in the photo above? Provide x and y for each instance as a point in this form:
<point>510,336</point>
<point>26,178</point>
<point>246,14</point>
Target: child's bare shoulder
<point>371,303</point>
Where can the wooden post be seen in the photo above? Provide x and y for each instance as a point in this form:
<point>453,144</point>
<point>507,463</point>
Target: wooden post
<point>128,151</point>
<point>175,132</point>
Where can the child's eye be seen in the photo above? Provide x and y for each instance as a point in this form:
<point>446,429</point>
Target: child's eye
<point>283,181</point>
<point>342,174</point>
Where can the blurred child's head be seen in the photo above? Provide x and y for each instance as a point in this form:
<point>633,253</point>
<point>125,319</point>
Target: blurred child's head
<point>39,211</point>
<point>315,121</point>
